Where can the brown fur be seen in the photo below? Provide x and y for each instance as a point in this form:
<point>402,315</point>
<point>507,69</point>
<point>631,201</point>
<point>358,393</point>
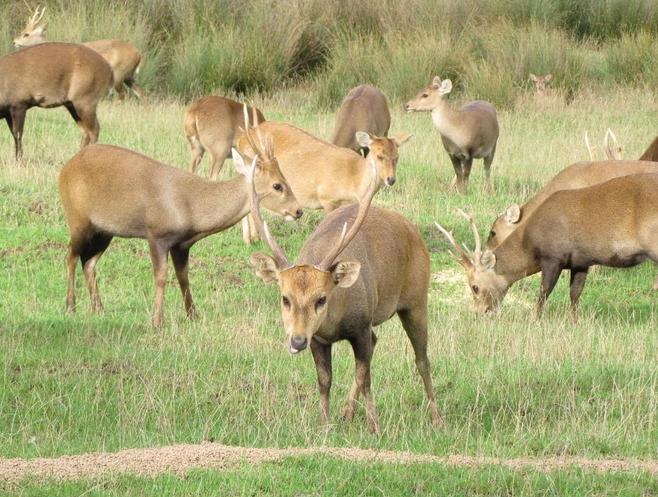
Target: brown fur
<point>52,75</point>
<point>213,124</point>
<point>651,153</point>
<point>110,191</point>
<point>364,109</point>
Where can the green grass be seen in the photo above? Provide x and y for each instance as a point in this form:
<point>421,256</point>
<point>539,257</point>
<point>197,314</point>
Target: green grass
<point>325,476</point>
<point>508,386</point>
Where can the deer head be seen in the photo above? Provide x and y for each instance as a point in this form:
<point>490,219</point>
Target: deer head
<point>33,32</point>
<point>384,153</point>
<point>429,97</point>
<point>308,291</point>
<point>542,83</point>
<point>487,287</point>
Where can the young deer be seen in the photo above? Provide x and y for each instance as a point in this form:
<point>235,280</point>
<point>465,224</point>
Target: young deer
<point>52,75</point>
<point>471,132</point>
<point>347,282</point>
<point>364,109</point>
<point>215,124</point>
<point>109,191</point>
<point>542,84</point>
<point>621,231</point>
<point>123,57</point>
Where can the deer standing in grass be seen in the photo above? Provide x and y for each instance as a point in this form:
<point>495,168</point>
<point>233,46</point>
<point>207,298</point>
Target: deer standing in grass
<point>542,84</point>
<point>123,57</point>
<point>215,124</point>
<point>613,224</point>
<point>53,75</point>
<point>109,191</point>
<point>322,175</point>
<point>363,109</point>
<point>470,132</point>
<point>348,281</point>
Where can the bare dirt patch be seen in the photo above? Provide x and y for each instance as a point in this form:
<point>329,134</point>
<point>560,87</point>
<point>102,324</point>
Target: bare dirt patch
<point>179,459</point>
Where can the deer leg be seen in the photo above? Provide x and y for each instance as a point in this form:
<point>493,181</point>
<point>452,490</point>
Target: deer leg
<point>89,256</point>
<point>322,359</point>
<point>180,258</point>
<point>353,396</point>
<point>467,164</point>
<point>414,322</point>
<point>457,166</point>
<point>86,120</point>
<point>550,273</point>
<point>362,346</point>
<point>577,283</point>
<point>197,151</point>
<point>76,245</point>
<point>487,170</point>
<point>159,260</point>
<point>136,89</point>
<point>16,122</point>
<point>218,157</point>
<point>120,91</point>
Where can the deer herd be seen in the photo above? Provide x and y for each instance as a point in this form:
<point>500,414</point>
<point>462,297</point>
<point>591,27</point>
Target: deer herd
<point>362,264</point>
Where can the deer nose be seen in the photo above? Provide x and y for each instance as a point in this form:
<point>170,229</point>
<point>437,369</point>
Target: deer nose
<point>298,213</point>
<point>298,343</point>
<point>390,181</point>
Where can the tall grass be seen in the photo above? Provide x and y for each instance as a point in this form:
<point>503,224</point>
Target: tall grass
<point>487,47</point>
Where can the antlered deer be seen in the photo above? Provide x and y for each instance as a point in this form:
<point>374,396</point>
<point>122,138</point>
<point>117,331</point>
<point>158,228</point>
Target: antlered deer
<point>215,124</point>
<point>109,191</point>
<point>471,132</point>
<point>123,57</point>
<point>323,175</point>
<point>542,84</point>
<point>364,109</point>
<point>621,230</point>
<point>347,281</point>
<point>52,75</point>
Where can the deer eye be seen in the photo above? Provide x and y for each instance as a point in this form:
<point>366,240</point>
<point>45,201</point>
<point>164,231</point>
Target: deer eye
<point>320,302</point>
<point>25,35</point>
<point>278,187</point>
<point>285,302</point>
<point>424,95</point>
<point>476,289</point>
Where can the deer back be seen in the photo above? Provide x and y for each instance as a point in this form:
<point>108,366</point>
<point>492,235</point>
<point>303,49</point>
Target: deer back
<point>364,109</point>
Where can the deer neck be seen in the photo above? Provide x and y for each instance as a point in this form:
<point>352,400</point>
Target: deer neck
<point>444,118</point>
<point>363,177</point>
<point>514,260</point>
<point>218,205</point>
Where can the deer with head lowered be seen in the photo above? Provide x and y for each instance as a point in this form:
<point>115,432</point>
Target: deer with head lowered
<point>470,132</point>
<point>109,191</point>
<point>621,230</point>
<point>363,109</point>
<point>123,57</point>
<point>346,282</point>
<point>323,175</point>
<point>52,75</point>
<point>215,124</point>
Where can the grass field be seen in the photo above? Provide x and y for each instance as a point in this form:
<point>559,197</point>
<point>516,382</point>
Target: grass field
<point>508,386</point>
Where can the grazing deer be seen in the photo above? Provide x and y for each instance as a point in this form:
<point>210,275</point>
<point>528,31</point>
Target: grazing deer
<point>323,175</point>
<point>612,152</point>
<point>651,153</point>
<point>345,283</point>
<point>621,230</point>
<point>471,132</point>
<point>215,124</point>
<point>364,109</point>
<point>52,75</point>
<point>124,59</point>
<point>109,191</point>
<point>542,84</point>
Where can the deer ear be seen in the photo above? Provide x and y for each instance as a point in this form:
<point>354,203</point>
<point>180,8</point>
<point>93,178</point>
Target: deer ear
<point>345,273</point>
<point>238,162</point>
<point>363,138</point>
<point>266,267</point>
<point>436,82</point>
<point>548,78</point>
<point>446,87</point>
<point>488,260</point>
<point>513,214</point>
<point>402,138</point>
<point>39,30</point>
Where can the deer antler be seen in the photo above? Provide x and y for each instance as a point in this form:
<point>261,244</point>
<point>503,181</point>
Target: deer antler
<point>590,149</point>
<point>347,236</point>
<point>279,254</point>
<point>36,17</point>
<point>263,150</point>
<point>466,258</point>
<point>463,258</point>
<point>477,253</point>
<point>609,152</point>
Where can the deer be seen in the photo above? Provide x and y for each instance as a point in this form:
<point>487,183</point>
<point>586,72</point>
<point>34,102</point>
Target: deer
<point>364,109</point>
<point>470,132</point>
<point>345,283</point>
<point>53,75</point>
<point>109,191</point>
<point>621,231</point>
<point>214,124</point>
<point>542,84</point>
<point>612,152</point>
<point>123,57</point>
<point>323,175</point>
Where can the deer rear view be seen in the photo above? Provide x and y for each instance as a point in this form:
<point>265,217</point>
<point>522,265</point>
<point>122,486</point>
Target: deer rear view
<point>346,282</point>
<point>621,230</point>
<point>470,132</point>
<point>363,109</point>
<point>215,124</point>
<point>52,75</point>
